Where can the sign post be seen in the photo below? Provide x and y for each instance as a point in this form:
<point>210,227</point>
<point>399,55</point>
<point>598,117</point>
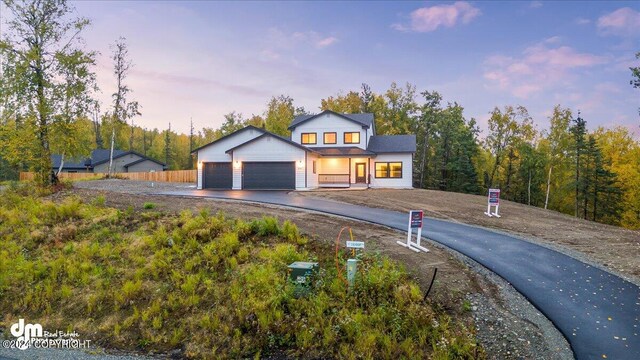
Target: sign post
<point>493,199</point>
<point>415,222</point>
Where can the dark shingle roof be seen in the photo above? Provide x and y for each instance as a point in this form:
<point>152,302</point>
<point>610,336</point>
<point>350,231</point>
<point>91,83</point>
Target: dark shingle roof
<point>392,144</point>
<point>100,155</point>
<point>365,120</point>
<point>342,151</point>
<point>81,163</point>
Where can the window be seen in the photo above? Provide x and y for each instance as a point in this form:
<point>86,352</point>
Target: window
<point>330,138</point>
<point>314,166</point>
<point>388,170</point>
<point>309,138</point>
<point>352,138</point>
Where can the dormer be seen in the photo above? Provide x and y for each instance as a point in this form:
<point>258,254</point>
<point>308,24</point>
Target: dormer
<point>332,129</point>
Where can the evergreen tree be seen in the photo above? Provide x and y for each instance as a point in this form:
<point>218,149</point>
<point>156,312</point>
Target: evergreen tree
<point>578,130</point>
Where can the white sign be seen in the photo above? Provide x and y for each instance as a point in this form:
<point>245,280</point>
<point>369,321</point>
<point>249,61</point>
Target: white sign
<point>355,244</point>
<point>415,221</point>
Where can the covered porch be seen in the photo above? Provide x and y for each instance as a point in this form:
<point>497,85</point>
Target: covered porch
<point>343,172</point>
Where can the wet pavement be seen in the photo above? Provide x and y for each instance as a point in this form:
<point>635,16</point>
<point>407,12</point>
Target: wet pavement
<point>598,312</point>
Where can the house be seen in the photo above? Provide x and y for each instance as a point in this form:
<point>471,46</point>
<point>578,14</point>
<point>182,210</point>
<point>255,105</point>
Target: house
<point>328,149</point>
<point>98,162</point>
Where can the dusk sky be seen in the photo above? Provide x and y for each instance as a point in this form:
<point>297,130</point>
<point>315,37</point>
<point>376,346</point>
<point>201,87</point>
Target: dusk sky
<point>205,59</point>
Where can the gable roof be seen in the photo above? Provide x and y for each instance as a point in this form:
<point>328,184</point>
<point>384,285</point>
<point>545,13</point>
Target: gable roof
<point>81,163</point>
<point>269,134</point>
<point>100,155</point>
<point>365,120</point>
<point>392,144</point>
<point>248,127</point>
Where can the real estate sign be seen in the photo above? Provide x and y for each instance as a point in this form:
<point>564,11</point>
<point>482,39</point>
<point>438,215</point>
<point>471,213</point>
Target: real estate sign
<point>416,219</point>
<point>493,199</point>
<point>494,196</point>
<point>415,222</point>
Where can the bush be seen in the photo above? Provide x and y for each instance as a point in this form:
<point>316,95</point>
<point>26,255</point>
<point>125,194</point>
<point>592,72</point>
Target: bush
<point>149,205</point>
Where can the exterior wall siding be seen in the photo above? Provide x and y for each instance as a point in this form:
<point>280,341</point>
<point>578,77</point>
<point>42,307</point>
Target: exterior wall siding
<point>268,149</point>
<point>407,171</point>
<point>145,166</point>
<point>312,179</point>
<point>331,123</point>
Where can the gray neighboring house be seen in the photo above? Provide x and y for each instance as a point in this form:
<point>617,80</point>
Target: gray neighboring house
<point>98,162</point>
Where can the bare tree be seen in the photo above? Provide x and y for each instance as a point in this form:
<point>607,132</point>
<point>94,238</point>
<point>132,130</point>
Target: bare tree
<point>123,109</point>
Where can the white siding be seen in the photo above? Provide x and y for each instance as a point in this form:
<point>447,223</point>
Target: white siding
<point>268,149</point>
<point>331,123</point>
<point>407,171</point>
<point>312,179</point>
<point>216,152</point>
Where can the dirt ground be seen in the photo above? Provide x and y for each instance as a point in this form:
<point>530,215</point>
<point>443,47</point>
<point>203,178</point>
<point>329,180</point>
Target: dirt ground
<point>610,246</point>
<point>507,326</point>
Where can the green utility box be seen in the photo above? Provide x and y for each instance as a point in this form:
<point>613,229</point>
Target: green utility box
<point>302,273</point>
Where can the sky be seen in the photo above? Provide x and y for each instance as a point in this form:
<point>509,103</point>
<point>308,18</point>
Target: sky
<point>200,60</point>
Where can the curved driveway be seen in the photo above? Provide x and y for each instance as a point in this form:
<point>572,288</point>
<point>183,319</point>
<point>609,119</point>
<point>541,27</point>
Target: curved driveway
<point>598,312</point>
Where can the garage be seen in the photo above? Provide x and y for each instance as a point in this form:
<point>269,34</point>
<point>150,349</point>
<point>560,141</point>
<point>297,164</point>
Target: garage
<point>217,175</point>
<point>269,176</point>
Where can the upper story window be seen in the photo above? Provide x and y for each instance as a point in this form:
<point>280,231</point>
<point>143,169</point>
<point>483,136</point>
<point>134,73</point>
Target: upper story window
<point>352,138</point>
<point>309,138</point>
<point>330,138</point>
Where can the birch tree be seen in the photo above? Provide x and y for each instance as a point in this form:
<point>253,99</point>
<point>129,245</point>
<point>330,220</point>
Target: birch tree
<point>123,108</point>
<point>46,78</point>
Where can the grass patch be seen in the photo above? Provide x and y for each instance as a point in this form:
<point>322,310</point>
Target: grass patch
<point>212,286</point>
<point>149,205</point>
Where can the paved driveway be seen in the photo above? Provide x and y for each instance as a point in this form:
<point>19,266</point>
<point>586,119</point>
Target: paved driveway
<point>598,312</point>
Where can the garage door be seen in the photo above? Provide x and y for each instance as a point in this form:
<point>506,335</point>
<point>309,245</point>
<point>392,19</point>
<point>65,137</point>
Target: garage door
<point>217,175</point>
<point>269,175</point>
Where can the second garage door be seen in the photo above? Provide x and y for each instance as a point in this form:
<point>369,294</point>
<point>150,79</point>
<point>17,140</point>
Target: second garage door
<point>269,175</point>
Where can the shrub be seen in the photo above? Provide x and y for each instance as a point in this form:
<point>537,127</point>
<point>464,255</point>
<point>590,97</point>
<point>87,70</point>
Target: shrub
<point>149,205</point>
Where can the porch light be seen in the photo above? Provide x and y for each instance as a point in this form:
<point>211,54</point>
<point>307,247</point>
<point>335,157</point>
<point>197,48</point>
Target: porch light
<point>236,164</point>
<point>300,163</point>
<point>199,165</point>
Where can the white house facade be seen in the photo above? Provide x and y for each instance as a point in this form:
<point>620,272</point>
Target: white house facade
<point>325,150</point>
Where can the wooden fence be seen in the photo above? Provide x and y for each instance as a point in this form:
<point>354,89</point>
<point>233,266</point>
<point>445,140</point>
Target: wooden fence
<point>184,176</point>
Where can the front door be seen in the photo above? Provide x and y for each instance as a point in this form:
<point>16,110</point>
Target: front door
<point>361,173</point>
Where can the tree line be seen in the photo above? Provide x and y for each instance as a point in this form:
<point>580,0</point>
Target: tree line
<point>47,105</point>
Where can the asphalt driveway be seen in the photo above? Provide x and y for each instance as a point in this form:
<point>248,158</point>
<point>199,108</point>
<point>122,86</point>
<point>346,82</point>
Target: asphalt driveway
<point>598,312</point>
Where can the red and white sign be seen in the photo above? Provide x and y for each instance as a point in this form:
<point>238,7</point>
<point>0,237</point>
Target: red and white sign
<point>493,199</point>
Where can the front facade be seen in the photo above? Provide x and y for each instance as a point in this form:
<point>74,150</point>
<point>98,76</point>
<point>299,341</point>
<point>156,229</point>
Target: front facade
<point>325,150</point>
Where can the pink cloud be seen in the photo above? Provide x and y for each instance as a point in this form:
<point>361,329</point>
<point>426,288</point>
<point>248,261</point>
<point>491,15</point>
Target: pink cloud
<point>322,43</point>
<point>622,22</point>
<point>430,18</point>
<point>539,68</point>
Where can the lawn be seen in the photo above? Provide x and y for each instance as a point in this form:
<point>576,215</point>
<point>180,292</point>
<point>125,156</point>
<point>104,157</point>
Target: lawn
<point>206,284</point>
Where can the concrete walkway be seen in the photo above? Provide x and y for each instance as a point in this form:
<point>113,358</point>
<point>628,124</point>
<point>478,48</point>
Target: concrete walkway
<point>598,312</point>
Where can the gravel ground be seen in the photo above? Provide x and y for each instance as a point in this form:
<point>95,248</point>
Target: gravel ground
<point>507,325</point>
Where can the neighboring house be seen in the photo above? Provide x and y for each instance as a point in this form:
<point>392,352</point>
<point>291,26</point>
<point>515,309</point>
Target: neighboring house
<point>325,150</point>
<point>123,161</point>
